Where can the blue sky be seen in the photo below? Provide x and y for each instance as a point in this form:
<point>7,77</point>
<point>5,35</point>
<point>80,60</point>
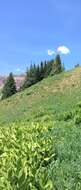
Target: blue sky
<point>29,28</point>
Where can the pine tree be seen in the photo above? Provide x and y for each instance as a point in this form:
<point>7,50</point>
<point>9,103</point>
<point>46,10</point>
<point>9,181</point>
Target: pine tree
<point>49,66</point>
<point>9,87</point>
<point>30,78</point>
<point>41,71</point>
<point>57,66</point>
<point>45,69</point>
<point>37,73</point>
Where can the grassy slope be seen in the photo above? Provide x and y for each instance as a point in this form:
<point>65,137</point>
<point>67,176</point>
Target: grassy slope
<point>54,94</point>
<point>41,149</point>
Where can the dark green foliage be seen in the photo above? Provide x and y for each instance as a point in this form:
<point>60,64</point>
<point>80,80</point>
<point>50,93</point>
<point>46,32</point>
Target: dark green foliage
<point>38,72</point>
<point>34,75</point>
<point>41,71</point>
<point>30,78</point>
<point>45,69</point>
<point>9,88</point>
<point>57,66</point>
<point>49,67</point>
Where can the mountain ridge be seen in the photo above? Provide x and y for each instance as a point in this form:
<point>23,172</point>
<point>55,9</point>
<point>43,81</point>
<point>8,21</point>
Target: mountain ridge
<point>18,79</point>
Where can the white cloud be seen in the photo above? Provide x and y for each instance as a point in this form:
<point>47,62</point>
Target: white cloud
<point>63,50</point>
<point>50,52</point>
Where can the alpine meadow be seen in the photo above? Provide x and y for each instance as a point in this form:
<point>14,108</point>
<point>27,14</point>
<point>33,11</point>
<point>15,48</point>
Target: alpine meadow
<point>40,95</point>
<point>40,135</point>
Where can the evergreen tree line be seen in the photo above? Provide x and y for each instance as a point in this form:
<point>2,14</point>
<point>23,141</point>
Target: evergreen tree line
<point>33,75</point>
<point>38,72</point>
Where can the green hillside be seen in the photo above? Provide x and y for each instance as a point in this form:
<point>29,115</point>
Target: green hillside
<point>40,135</point>
<point>52,95</point>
